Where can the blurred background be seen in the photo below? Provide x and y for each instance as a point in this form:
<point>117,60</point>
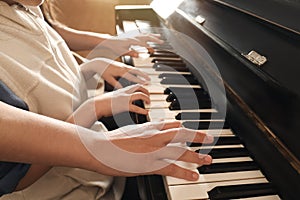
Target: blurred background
<point>91,15</point>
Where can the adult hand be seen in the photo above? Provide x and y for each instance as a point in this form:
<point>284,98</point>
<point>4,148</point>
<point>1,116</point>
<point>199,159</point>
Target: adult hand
<point>150,148</point>
<point>121,45</point>
<point>124,44</point>
<point>111,70</point>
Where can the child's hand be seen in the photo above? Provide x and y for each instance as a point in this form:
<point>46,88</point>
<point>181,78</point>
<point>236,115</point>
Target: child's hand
<point>121,100</point>
<point>110,104</point>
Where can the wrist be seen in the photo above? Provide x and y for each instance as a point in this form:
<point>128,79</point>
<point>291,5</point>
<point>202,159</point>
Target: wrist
<point>85,115</point>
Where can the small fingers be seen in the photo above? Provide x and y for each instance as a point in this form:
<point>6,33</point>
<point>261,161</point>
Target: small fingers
<point>139,73</point>
<point>132,53</point>
<point>138,110</point>
<point>112,81</point>
<point>134,78</point>
<point>128,71</point>
<point>140,96</point>
<point>150,50</point>
<point>136,88</point>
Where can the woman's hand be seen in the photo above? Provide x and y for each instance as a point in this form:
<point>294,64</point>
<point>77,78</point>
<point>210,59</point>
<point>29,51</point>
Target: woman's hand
<point>111,70</point>
<point>122,45</point>
<point>150,148</point>
<point>119,70</point>
<point>98,44</point>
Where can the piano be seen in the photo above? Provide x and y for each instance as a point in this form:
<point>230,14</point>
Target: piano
<point>230,68</point>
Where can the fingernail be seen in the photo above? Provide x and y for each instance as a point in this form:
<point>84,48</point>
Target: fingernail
<point>209,138</point>
<point>207,159</point>
<point>195,176</point>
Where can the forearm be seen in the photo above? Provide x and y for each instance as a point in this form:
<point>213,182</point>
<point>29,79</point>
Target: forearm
<point>80,40</point>
<point>30,138</point>
<point>84,115</point>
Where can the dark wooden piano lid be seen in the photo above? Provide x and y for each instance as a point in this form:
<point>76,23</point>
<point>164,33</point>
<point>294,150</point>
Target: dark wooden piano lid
<point>284,13</point>
<point>245,32</point>
<point>270,93</point>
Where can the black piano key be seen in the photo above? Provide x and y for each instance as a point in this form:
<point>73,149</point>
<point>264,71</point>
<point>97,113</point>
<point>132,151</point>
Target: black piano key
<point>205,125</point>
<point>183,91</point>
<point>163,51</point>
<point>198,116</point>
<point>218,141</point>
<point>161,46</point>
<point>124,118</point>
<point>199,95</point>
<point>241,191</point>
<point>225,152</point>
<point>124,82</point>
<point>228,167</point>
<point>232,140</point>
<point>164,54</point>
<point>162,59</point>
<point>170,64</point>
<point>172,75</point>
<point>171,68</point>
<point>179,81</point>
<point>190,104</point>
<point>139,118</point>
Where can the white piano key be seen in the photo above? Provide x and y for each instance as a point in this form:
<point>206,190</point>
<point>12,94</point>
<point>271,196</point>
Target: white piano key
<point>219,132</point>
<point>237,159</point>
<point>155,88</point>
<point>144,60</point>
<point>159,89</point>
<point>269,197</point>
<point>199,191</point>
<point>157,104</point>
<point>151,71</point>
<point>158,97</point>
<point>217,147</point>
<point>207,178</point>
<point>165,113</point>
<point>155,79</point>
<point>130,26</point>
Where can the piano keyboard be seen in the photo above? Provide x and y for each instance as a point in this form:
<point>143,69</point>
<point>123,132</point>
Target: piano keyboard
<point>233,174</point>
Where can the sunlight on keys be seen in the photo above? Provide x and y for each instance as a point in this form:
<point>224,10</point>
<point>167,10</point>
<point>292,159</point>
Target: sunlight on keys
<point>165,8</point>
